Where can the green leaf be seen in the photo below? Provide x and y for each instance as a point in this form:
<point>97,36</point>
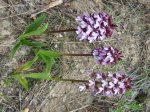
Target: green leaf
<point>33,75</point>
<point>36,24</point>
<point>34,44</point>
<point>50,61</point>
<point>135,106</point>
<point>54,54</point>
<point>128,93</point>
<point>27,65</point>
<point>22,81</point>
<point>15,48</point>
<point>38,31</point>
<point>49,65</point>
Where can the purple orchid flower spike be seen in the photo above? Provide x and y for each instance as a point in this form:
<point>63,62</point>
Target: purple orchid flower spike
<point>107,55</point>
<point>107,84</point>
<point>94,27</point>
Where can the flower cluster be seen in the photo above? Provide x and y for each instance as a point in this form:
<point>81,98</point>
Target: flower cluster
<point>94,27</point>
<point>106,55</point>
<point>107,84</point>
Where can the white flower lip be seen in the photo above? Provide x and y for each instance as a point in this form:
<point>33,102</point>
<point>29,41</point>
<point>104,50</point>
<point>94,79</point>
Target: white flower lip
<point>91,83</point>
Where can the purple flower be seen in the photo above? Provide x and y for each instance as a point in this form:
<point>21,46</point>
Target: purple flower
<point>108,84</point>
<point>106,55</point>
<point>93,27</point>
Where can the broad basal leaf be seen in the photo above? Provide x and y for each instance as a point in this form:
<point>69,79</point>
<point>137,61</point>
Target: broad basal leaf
<point>34,44</point>
<point>35,25</point>
<point>34,75</point>
<point>38,31</point>
<point>54,54</point>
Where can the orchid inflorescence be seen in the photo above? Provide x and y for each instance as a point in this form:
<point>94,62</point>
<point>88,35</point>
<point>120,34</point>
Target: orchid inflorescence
<point>107,84</point>
<point>106,55</point>
<point>94,27</point>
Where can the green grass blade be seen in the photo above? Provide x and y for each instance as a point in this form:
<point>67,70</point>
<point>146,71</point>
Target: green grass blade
<point>38,31</point>
<point>33,44</point>
<point>15,48</point>
<point>36,24</point>
<point>23,81</point>
<point>54,54</point>
<point>33,75</point>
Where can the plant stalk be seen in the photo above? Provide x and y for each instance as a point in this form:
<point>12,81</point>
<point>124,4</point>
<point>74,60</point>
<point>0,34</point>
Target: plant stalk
<point>77,55</point>
<point>60,31</point>
<point>69,80</point>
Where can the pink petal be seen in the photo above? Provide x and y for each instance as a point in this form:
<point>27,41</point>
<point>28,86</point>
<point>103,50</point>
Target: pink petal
<point>111,85</point>
<point>110,75</point>
<point>121,85</point>
<point>99,91</point>
<point>78,19</point>
<point>104,83</point>
<point>98,76</point>
<point>115,80</point>
<point>108,93</point>
<point>91,83</point>
<point>95,52</point>
<point>111,59</point>
<point>116,90</point>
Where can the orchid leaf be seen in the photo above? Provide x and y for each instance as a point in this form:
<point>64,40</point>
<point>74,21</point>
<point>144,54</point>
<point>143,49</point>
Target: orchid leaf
<point>33,44</point>
<point>33,75</point>
<point>35,25</point>
<point>54,54</point>
<point>38,31</point>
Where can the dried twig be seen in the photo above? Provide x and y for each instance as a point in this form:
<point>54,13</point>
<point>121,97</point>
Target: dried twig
<point>51,5</point>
